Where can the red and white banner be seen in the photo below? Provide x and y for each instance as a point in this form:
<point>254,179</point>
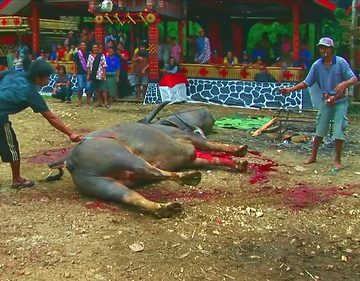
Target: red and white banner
<point>173,87</point>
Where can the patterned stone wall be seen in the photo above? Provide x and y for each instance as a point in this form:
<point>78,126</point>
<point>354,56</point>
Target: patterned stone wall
<point>248,94</point>
<point>48,89</point>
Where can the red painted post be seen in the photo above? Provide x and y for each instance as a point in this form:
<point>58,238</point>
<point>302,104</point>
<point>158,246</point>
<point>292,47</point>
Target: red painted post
<point>296,29</point>
<point>35,27</point>
<point>181,26</point>
<point>100,34</point>
<point>153,50</point>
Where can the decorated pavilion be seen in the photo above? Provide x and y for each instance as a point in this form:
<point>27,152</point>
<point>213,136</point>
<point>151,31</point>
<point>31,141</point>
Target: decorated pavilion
<point>224,20</point>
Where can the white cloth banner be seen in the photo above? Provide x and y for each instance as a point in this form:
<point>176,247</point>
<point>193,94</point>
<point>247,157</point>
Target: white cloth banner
<point>174,94</point>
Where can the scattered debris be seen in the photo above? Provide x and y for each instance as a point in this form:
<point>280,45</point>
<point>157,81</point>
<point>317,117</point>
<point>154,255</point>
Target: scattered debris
<point>137,247</point>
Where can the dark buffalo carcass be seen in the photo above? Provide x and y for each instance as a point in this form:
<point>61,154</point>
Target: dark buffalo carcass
<point>108,162</point>
<point>198,120</point>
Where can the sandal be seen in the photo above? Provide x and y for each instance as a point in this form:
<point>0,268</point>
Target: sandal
<point>23,184</point>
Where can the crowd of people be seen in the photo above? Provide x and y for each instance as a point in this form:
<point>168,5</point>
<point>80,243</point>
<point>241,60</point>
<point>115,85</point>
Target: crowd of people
<point>110,60</point>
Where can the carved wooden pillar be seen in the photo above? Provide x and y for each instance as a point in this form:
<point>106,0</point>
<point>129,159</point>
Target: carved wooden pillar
<point>100,34</point>
<point>296,29</point>
<point>181,26</point>
<point>35,27</point>
<point>153,51</point>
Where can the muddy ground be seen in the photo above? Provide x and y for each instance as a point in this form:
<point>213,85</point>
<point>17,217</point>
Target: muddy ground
<point>280,221</point>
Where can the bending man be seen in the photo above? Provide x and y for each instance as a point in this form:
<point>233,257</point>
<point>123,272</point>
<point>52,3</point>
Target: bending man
<point>18,92</point>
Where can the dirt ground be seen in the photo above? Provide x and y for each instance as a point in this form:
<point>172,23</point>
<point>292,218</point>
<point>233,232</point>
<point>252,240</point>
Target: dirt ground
<point>280,221</point>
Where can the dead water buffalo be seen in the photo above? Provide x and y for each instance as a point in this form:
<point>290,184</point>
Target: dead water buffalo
<point>198,120</point>
<point>108,162</point>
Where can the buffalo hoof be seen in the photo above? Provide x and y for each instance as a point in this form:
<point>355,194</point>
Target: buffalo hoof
<point>168,210</point>
<point>241,151</point>
<point>190,178</point>
<point>242,166</point>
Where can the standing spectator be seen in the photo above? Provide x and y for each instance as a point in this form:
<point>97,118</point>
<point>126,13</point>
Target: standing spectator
<point>109,45</point>
<point>73,50</point>
<point>123,86</point>
<point>176,50</point>
<point>122,38</point>
<point>203,51</point>
<point>111,35</point>
<point>286,46</point>
<point>67,54</point>
<point>62,89</point>
<point>96,72</point>
<point>60,52</point>
<point>18,92</point>
<point>18,62</point>
<point>80,71</point>
<point>166,49</point>
<point>141,66</point>
<point>333,75</point>
<point>10,58</point>
<point>69,39</point>
<point>192,48</point>
<point>230,59</point>
<point>160,53</point>
<point>54,54</point>
<point>112,74</point>
<point>267,46</point>
<point>305,56</point>
<point>27,61</point>
<point>84,35</point>
<point>23,49</point>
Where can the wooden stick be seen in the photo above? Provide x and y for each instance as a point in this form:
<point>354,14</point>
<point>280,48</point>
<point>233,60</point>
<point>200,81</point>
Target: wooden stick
<point>258,132</point>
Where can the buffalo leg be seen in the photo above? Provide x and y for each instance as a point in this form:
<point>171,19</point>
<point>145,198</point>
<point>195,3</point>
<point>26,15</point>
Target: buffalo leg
<point>203,144</point>
<point>147,172</point>
<point>111,190</point>
<point>240,166</point>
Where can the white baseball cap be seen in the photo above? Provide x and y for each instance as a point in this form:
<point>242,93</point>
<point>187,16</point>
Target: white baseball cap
<point>326,41</point>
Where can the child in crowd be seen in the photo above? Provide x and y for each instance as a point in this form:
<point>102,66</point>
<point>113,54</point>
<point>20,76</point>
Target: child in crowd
<point>54,54</point>
<point>62,90</point>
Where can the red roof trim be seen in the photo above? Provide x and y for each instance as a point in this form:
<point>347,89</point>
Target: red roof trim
<point>4,4</point>
<point>327,4</point>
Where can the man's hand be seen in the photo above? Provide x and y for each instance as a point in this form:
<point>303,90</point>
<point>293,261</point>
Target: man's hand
<point>341,87</point>
<point>284,91</point>
<point>330,100</point>
<point>74,137</point>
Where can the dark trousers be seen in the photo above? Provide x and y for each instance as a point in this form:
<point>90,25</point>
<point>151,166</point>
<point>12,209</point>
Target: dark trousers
<point>64,93</point>
<point>123,86</point>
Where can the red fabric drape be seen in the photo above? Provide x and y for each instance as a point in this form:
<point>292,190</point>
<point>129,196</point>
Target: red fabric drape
<point>171,80</point>
<point>214,37</point>
<point>237,39</point>
<point>8,39</point>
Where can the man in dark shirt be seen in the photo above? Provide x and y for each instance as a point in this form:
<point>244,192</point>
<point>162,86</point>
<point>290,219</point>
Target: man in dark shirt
<point>140,69</point>
<point>18,92</point>
<point>80,71</point>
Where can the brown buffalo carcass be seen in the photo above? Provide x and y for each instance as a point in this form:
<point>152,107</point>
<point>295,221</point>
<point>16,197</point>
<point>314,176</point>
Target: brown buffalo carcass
<point>108,162</point>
